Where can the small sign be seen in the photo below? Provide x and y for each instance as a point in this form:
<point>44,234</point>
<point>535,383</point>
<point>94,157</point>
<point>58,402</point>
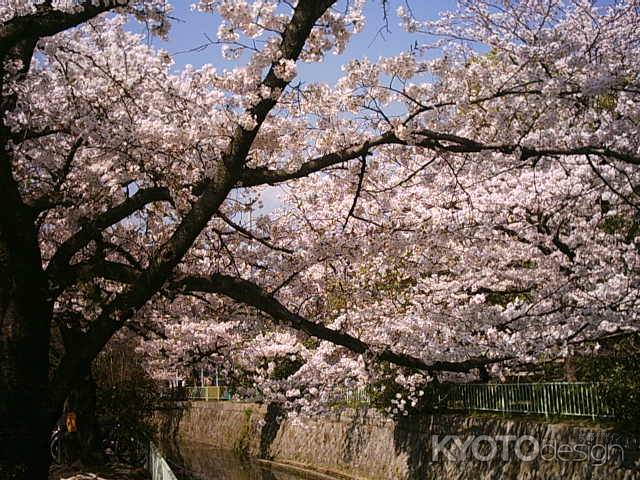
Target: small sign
<point>72,425</point>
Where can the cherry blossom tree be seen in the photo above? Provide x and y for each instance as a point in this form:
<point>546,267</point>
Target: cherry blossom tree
<point>457,215</point>
<point>511,241</point>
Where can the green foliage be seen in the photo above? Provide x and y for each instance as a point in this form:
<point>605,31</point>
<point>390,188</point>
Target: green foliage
<point>336,298</point>
<point>619,383</point>
<point>311,343</point>
<point>393,283</point>
<point>529,264</point>
<point>624,225</point>
<point>505,298</point>
<point>285,367</point>
<point>614,224</point>
<point>384,396</point>
<point>241,445</point>
<point>551,372</point>
<point>383,392</point>
<point>615,368</point>
<point>240,379</point>
<point>606,101</point>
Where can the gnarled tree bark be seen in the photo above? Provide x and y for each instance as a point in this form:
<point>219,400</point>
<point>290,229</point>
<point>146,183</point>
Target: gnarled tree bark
<point>24,342</point>
<point>25,306</point>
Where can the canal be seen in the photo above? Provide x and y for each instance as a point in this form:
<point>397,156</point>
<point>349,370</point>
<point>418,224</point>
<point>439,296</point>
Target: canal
<point>196,461</point>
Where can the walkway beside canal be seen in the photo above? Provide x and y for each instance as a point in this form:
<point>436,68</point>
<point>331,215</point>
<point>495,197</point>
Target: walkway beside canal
<point>112,471</point>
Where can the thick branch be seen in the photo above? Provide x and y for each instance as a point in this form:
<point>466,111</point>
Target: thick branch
<point>91,230</point>
<point>26,135</point>
<point>47,21</point>
<point>115,271</point>
<point>251,294</point>
<point>459,144</point>
<point>429,139</point>
<point>215,191</point>
<point>259,176</point>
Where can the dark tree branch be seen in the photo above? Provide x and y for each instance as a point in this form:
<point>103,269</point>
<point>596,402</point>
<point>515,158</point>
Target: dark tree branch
<point>251,236</point>
<point>25,135</point>
<point>432,140</point>
<point>49,200</point>
<point>91,230</point>
<point>69,323</point>
<point>249,293</point>
<point>610,186</point>
<point>259,176</point>
<point>407,178</point>
<point>459,144</point>
<point>363,168</point>
<point>284,283</point>
<point>124,253</point>
<point>144,330</point>
<point>214,192</point>
<point>513,234</point>
<point>115,271</point>
<point>562,246</point>
<point>47,21</point>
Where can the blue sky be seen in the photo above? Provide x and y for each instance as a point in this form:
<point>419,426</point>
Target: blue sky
<point>190,30</point>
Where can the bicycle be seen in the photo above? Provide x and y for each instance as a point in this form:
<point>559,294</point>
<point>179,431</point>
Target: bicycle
<point>61,450</point>
<point>125,446</point>
<point>118,444</point>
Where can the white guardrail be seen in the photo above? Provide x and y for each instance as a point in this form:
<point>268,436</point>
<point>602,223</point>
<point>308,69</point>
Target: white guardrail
<point>158,466</point>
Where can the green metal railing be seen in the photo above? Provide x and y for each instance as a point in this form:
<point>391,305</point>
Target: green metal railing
<point>576,399</point>
<point>351,396</point>
<point>549,399</point>
<point>208,393</point>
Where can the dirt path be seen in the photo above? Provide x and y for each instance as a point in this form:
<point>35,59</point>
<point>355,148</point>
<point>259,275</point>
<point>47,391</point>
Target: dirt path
<point>113,471</point>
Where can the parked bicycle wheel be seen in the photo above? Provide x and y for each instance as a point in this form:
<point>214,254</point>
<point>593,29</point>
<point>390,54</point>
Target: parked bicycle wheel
<point>60,450</point>
<point>126,446</point>
<point>55,447</point>
<point>132,450</point>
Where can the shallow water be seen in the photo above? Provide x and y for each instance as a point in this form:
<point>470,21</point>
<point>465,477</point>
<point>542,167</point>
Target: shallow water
<point>196,461</point>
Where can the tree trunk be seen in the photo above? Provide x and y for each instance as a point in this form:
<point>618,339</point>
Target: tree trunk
<point>24,343</point>
<point>570,373</point>
<point>25,317</point>
<point>26,417</point>
<point>82,401</point>
<point>24,328</point>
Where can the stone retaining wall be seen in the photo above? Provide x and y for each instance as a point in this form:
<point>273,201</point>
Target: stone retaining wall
<point>364,444</point>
